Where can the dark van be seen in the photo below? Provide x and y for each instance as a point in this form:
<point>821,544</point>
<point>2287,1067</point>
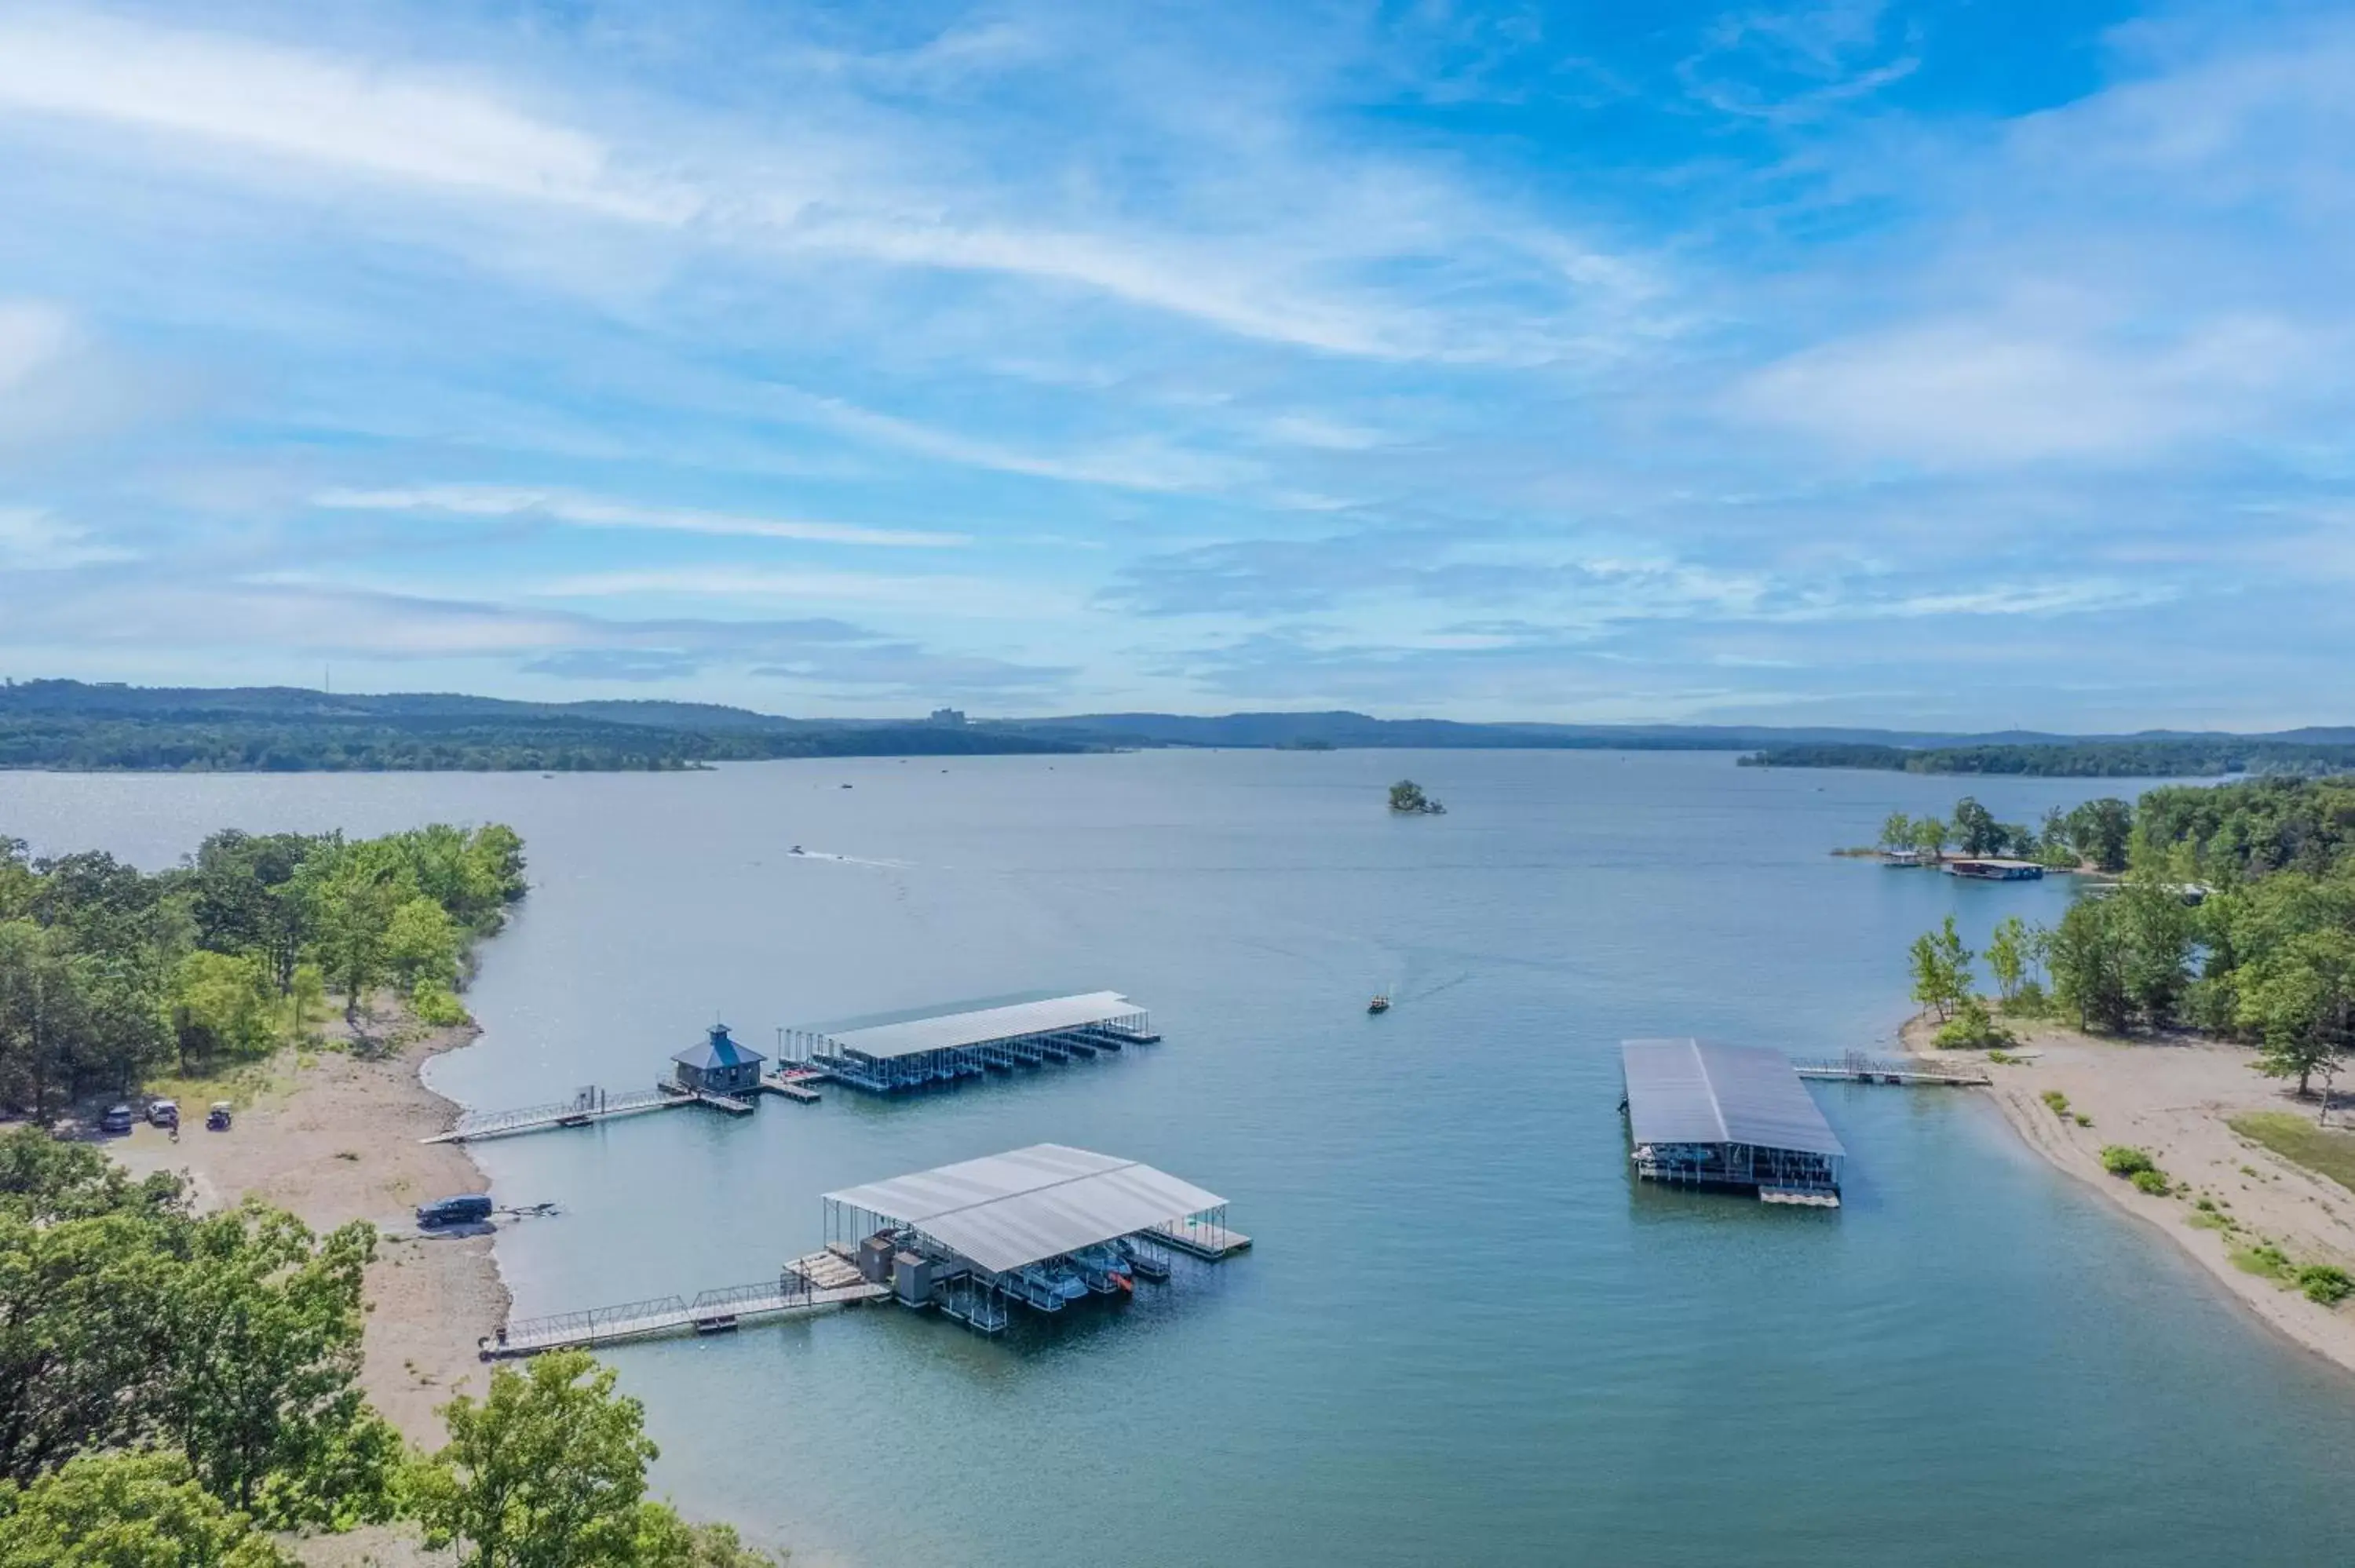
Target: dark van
<point>468,1209</point>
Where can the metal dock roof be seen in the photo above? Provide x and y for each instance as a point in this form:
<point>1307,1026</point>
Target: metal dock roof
<point>1006,1210</point>
<point>1694,1091</point>
<point>950,1028</point>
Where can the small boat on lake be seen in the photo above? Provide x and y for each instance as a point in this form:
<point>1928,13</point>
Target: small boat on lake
<point>1381,1003</point>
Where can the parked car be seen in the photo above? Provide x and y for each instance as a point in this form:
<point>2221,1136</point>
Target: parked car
<point>216,1118</point>
<point>118,1119</point>
<point>162,1113</point>
<point>467,1209</point>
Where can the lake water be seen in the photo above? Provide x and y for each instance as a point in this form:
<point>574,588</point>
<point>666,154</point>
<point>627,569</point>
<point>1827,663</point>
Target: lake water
<point>1465,1335</point>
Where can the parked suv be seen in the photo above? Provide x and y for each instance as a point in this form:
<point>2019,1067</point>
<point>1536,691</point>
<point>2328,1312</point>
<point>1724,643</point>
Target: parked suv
<point>162,1113</point>
<point>118,1119</point>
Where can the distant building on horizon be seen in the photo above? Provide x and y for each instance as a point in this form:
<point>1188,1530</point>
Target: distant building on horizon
<point>948,715</point>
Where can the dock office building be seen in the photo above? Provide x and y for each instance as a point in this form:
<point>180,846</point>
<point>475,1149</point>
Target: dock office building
<point>1705,1114</point>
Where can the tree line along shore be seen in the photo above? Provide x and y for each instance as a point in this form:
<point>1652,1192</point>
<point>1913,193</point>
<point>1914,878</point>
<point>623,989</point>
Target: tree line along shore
<point>2128,1038</point>
<point>185,1387</point>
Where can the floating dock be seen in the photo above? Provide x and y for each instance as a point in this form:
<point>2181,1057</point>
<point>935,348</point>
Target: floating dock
<point>1859,1068</point>
<point>813,1284</point>
<point>1705,1114</point>
<point>1043,1228</point>
<point>894,1053</point>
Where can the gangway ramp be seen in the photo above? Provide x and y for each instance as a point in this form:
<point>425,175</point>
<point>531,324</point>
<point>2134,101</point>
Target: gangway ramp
<point>806,1285</point>
<point>589,1106</point>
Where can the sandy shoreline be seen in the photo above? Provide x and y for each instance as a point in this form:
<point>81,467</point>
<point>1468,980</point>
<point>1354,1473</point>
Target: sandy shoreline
<point>2171,1098</point>
<point>334,1139</point>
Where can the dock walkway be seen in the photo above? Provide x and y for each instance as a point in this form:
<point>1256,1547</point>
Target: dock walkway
<point>1858,1067</point>
<point>588,1107</point>
<point>813,1284</point>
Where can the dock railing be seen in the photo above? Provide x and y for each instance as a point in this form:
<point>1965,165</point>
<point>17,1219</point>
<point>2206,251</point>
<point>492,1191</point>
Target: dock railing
<point>1857,1066</point>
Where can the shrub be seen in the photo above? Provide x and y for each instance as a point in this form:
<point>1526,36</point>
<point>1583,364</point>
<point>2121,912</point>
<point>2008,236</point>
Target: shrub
<point>2326,1284</point>
<point>2028,1001</point>
<point>435,1003</point>
<point>2058,1101</point>
<point>2084,1120</point>
<point>2120,1160</point>
<point>2151,1181</point>
<point>1973,1028</point>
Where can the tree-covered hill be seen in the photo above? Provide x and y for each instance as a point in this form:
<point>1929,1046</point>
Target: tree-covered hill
<point>73,725</point>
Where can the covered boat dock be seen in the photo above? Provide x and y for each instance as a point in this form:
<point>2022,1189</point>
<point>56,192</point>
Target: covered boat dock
<point>1705,1114</point>
<point>894,1052</point>
<point>1043,1227</point>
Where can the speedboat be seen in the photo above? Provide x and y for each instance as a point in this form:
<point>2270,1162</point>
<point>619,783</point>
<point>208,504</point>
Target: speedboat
<point>1381,1003</point>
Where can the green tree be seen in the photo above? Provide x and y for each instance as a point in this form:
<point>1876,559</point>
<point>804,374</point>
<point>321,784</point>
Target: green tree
<point>2008,956</point>
<point>420,945</point>
<point>2102,830</point>
<point>259,1381</point>
<point>546,1471</point>
<point>127,1510</point>
<point>220,1004</point>
<point>1930,836</point>
<point>1897,831</point>
<point>2300,1002</point>
<point>353,897</point>
<point>1941,969</point>
<point>2088,964</point>
<point>1976,830</point>
<point>667,1541</point>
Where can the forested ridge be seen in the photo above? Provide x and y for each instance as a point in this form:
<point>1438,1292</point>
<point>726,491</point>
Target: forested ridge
<point>2157,759</point>
<point>71,725</point>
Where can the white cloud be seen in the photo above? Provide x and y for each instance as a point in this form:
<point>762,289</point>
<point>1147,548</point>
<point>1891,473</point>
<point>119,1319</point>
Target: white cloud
<point>33,337</point>
<point>1147,465</point>
<point>1972,392</point>
<point>32,540</point>
<point>1291,255</point>
<point>954,595</point>
<point>590,512</point>
<point>310,108</point>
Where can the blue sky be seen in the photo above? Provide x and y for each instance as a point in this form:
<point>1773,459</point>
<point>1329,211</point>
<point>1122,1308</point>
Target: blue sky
<point>1956,364</point>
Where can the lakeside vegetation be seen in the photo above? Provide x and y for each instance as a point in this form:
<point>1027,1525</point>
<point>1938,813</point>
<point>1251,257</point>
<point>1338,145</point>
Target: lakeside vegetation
<point>2166,759</point>
<point>2235,918</point>
<point>2092,835</point>
<point>177,1387</point>
<point>109,975</point>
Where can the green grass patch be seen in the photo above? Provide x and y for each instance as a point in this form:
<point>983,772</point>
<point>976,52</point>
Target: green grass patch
<point>2084,1120</point>
<point>2264,1260</point>
<point>2324,1150</point>
<point>2057,1100</point>
<point>2119,1159</point>
<point>2209,1220</point>
<point>2151,1181</point>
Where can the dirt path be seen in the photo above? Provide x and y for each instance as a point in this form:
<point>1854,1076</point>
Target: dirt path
<point>2171,1098</point>
<point>333,1139</point>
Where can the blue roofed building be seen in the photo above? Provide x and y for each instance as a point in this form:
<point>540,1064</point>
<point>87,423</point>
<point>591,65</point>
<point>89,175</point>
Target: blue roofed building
<point>720,1065</point>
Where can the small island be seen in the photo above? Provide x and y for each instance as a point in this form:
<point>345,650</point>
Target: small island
<point>1408,800</point>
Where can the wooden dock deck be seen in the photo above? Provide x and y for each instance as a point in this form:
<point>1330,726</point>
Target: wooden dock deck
<point>817,1283</point>
<point>1859,1068</point>
<point>588,1107</point>
<point>1202,1239</point>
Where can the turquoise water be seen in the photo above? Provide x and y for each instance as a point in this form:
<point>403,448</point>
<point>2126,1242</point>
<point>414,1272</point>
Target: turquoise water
<point>1464,1334</point>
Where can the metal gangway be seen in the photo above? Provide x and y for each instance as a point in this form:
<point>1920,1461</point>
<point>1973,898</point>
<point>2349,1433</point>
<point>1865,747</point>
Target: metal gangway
<point>812,1283</point>
<point>1857,1066</point>
<point>586,1107</point>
